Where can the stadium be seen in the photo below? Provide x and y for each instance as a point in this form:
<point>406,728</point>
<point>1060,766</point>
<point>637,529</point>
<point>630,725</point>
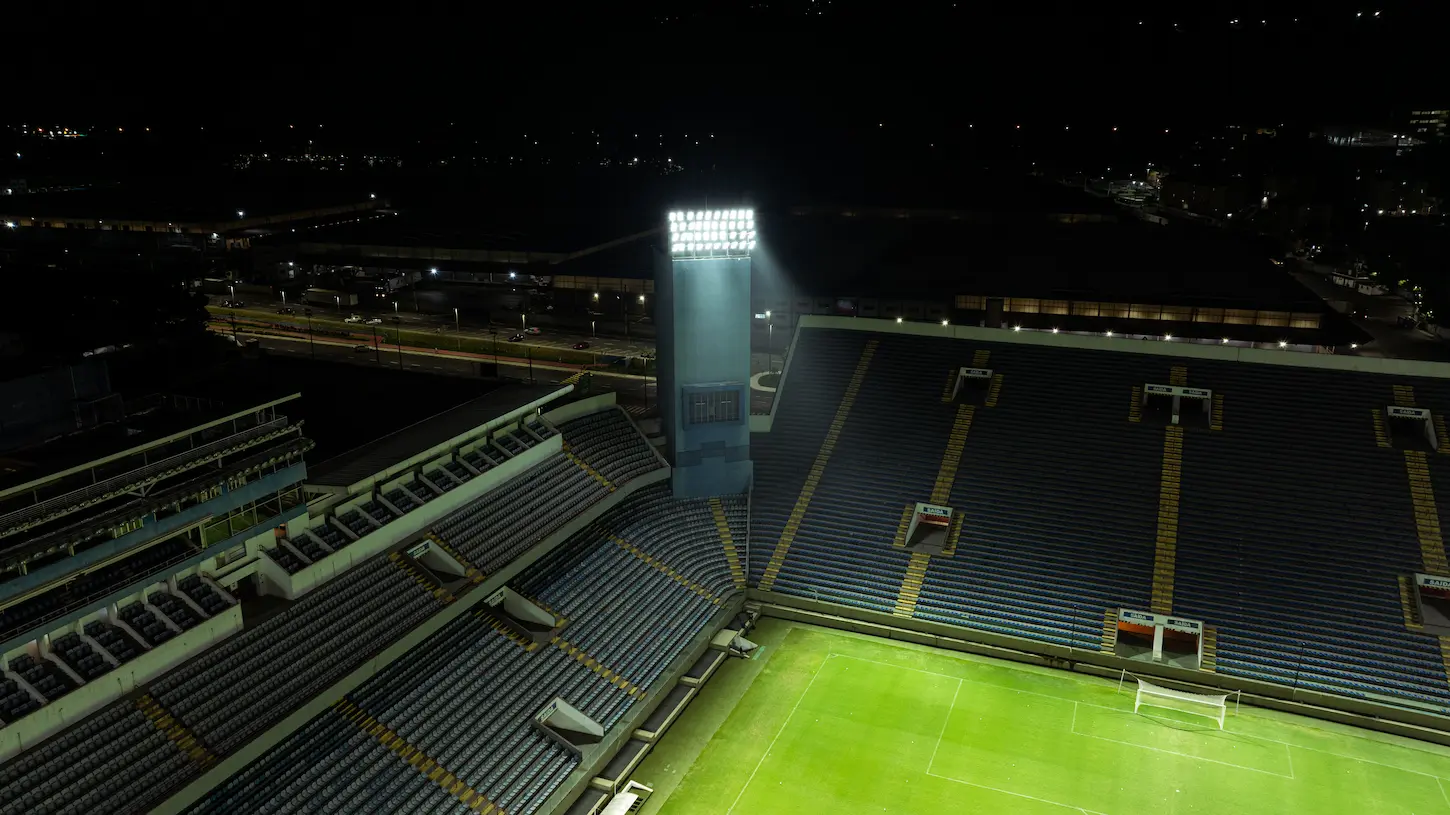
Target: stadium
<point>953,567</point>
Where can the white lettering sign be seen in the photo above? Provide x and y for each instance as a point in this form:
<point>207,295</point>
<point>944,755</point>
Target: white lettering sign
<point>1408,412</point>
<point>1199,393</point>
<point>977,373</point>
<point>1433,582</point>
<point>1139,617</point>
<point>418,551</point>
<point>1188,626</point>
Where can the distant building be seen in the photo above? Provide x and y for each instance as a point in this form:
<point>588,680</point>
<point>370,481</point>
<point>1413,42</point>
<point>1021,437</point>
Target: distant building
<point>1214,197</point>
<point>1430,125</point>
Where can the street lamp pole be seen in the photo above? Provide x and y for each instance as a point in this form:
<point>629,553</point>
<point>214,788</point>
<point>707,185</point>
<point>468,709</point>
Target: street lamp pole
<point>398,339</point>
<point>377,352</point>
<point>338,299</point>
<point>458,332</point>
<point>311,349</point>
<point>769,342</point>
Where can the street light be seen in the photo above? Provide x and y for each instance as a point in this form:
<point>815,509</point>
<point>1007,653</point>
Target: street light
<point>769,341</point>
<point>338,299</point>
<point>456,330</point>
<point>592,335</point>
<point>523,318</point>
<point>395,307</point>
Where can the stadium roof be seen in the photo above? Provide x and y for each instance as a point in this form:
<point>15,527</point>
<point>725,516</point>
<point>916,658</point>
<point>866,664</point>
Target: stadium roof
<point>360,463</point>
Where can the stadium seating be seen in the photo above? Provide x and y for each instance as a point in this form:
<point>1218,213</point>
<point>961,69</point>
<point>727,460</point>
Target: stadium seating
<point>1058,495</point>
<point>15,701</point>
<point>79,656</point>
<point>609,441</point>
<point>354,520</point>
<point>403,501</point>
<point>40,674</point>
<point>309,548</point>
<point>504,522</point>
<point>204,595</point>
<point>145,624</point>
<point>229,693</point>
<point>174,609</point>
<point>465,696</point>
<point>114,761</point>
<point>1301,581</point>
<point>293,655</point>
<point>284,558</point>
<point>25,615</point>
<point>116,642</point>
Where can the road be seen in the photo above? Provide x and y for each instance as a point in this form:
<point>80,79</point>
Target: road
<point>333,319</point>
<point>1378,316</point>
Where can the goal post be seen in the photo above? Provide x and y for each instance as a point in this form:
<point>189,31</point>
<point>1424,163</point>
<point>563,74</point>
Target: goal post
<point>1210,705</point>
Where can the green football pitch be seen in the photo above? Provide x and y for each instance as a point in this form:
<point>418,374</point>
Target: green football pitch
<point>823,721</point>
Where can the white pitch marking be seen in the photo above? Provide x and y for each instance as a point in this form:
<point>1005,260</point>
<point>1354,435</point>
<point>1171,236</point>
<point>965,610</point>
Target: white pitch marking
<point>1163,718</point>
<point>1171,752</point>
<point>1016,794</point>
<point>783,726</point>
<point>945,721</point>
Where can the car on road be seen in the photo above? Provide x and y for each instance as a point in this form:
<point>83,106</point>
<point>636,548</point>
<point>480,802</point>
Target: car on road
<point>375,321</point>
<point>355,318</point>
<point>516,338</point>
<point>580,346</point>
<point>531,330</point>
<point>286,310</point>
<point>362,348</point>
<point>233,303</point>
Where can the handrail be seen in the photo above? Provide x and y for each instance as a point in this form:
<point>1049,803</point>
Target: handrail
<point>22,519</point>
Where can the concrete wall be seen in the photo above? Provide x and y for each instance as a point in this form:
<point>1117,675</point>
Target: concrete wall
<point>102,691</point>
<point>1360,713</point>
<point>384,538</point>
<point>583,407</point>
<point>704,341</point>
<point>323,700</point>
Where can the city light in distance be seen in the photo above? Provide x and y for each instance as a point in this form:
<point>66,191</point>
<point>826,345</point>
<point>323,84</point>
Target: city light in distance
<point>712,233</point>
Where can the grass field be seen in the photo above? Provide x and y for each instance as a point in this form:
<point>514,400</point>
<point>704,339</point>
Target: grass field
<point>830,722</point>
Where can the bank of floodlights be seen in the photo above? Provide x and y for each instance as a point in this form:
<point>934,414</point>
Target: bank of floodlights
<point>709,233</point>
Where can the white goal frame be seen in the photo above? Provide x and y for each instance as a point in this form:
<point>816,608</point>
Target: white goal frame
<point>1209,705</point>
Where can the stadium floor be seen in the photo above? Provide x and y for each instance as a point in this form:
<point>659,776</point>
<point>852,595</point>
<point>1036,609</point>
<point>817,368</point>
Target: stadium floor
<point>824,721</point>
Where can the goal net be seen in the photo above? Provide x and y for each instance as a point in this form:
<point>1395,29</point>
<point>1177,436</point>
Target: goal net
<point>1211,705</point>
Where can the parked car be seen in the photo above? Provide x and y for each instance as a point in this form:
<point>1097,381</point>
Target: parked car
<point>375,321</point>
<point>233,303</point>
<point>286,310</point>
<point>355,318</point>
<point>516,338</point>
<point>580,346</point>
<point>362,348</point>
<point>531,330</point>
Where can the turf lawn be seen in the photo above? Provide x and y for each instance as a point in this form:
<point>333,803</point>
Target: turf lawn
<point>829,722</point>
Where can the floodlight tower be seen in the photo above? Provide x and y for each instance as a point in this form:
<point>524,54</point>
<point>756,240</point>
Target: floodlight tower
<point>702,311</point>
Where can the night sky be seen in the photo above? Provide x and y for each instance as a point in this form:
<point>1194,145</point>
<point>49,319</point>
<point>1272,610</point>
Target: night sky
<point>761,66</point>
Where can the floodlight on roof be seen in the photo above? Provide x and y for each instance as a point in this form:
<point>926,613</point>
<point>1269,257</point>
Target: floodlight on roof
<point>707,233</point>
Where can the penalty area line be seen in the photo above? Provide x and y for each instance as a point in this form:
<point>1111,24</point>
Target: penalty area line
<point>1017,794</point>
<point>778,733</point>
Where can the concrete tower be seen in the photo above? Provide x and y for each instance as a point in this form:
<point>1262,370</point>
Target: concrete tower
<point>702,308</point>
